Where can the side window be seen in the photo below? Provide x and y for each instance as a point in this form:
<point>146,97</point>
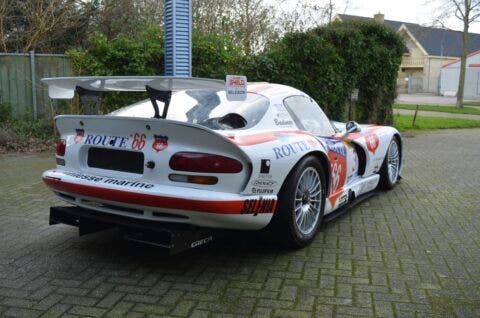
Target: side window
<point>308,115</point>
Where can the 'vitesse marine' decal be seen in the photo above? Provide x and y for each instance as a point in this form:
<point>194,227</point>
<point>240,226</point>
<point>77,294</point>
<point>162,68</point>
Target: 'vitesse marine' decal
<point>124,183</point>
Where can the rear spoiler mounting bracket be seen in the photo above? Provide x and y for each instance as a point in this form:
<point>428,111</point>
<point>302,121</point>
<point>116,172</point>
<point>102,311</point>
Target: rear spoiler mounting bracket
<point>162,96</point>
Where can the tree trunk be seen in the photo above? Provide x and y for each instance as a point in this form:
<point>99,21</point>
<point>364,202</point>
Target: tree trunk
<point>463,65</point>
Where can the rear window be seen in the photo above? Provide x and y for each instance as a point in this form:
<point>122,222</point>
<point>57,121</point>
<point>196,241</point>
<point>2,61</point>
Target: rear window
<point>207,108</point>
<point>212,109</point>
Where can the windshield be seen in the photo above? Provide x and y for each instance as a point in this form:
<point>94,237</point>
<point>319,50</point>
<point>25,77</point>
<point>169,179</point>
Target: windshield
<point>207,108</point>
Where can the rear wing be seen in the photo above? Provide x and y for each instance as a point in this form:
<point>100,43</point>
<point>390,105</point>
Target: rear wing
<point>65,87</point>
<point>159,88</point>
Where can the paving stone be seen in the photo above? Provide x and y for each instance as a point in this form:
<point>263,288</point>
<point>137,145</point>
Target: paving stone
<point>409,252</point>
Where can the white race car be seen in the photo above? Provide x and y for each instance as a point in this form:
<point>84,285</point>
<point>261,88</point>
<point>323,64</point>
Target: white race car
<point>212,155</point>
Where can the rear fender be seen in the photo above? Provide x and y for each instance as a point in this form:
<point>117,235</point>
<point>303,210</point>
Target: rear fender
<point>158,140</point>
<point>274,158</point>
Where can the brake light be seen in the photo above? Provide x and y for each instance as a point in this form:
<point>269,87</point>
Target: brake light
<point>61,146</point>
<point>204,162</point>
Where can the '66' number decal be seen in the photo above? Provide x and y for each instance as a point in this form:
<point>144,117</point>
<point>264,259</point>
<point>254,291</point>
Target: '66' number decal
<point>138,142</point>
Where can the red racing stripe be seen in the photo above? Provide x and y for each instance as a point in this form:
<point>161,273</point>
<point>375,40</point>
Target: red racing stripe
<point>263,137</point>
<point>218,207</point>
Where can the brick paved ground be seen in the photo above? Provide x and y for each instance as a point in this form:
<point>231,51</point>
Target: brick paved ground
<point>411,252</point>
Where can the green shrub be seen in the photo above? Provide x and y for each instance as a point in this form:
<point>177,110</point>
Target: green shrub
<point>309,63</point>
<point>5,112</point>
<point>142,54</point>
<point>327,63</point>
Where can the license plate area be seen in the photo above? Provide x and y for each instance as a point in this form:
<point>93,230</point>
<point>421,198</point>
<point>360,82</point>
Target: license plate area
<point>117,160</point>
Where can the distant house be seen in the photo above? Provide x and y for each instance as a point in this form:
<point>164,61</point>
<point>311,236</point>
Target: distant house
<point>450,74</point>
<point>427,50</point>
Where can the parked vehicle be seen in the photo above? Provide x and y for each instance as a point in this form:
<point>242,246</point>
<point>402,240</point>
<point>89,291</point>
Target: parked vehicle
<point>194,155</point>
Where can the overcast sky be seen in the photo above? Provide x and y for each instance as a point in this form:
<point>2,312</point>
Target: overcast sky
<point>416,11</point>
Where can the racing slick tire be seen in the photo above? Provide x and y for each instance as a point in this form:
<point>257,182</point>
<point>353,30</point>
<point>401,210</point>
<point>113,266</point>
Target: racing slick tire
<point>300,205</point>
<point>389,171</point>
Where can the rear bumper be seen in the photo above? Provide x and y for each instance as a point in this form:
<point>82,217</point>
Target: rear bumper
<point>162,203</point>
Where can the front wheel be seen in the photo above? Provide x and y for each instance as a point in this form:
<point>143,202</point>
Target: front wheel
<point>389,172</point>
<point>300,205</point>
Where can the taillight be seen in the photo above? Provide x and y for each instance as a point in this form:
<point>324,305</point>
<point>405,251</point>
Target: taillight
<point>204,162</point>
<point>193,179</point>
<point>61,145</point>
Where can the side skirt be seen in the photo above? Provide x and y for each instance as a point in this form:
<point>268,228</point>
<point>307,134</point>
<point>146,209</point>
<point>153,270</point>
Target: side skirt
<point>343,209</point>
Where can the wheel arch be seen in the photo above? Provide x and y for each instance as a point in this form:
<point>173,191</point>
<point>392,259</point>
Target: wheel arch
<point>323,159</point>
<point>400,145</point>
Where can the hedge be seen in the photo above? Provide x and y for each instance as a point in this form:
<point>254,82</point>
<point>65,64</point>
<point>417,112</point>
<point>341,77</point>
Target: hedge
<point>327,63</point>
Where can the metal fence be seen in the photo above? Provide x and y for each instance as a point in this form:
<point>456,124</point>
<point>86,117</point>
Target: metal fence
<point>20,84</point>
<point>419,85</point>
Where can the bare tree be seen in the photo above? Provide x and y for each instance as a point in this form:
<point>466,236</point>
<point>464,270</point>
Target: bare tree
<point>44,25</point>
<point>468,12</point>
<point>213,16</point>
<point>248,22</point>
<point>5,11</point>
<point>305,15</point>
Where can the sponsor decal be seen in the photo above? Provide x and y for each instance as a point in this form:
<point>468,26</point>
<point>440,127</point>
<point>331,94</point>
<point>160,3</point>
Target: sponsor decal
<point>265,166</point>
<point>260,205</point>
<point>83,176</point>
<point>138,141</point>
<point>236,87</point>
<point>282,114</point>
<point>80,133</point>
<point>336,146</point>
<point>337,155</point>
<point>371,138</point>
<point>160,143</point>
<point>264,183</point>
<point>262,191</point>
<point>343,199</point>
<point>283,122</point>
<point>372,142</point>
<point>291,148</point>
<point>124,183</point>
<point>104,140</point>
<point>202,241</point>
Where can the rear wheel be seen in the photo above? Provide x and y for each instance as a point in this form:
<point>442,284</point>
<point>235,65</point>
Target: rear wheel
<point>389,172</point>
<point>300,205</point>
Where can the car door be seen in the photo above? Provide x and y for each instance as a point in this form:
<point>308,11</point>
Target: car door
<point>342,155</point>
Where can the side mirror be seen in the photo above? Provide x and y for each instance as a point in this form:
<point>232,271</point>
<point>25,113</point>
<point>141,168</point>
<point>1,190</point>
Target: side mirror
<point>351,127</point>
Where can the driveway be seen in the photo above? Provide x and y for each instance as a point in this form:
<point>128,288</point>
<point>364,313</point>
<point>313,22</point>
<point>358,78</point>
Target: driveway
<point>411,252</point>
<point>435,114</point>
<point>425,99</point>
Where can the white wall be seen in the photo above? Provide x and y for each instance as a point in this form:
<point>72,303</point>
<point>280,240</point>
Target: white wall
<point>450,77</point>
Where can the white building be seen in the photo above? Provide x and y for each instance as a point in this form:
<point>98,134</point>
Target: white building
<point>450,74</point>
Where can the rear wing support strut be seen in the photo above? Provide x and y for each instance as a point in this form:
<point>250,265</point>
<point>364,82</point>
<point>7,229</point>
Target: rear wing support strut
<point>162,96</point>
<point>90,100</point>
